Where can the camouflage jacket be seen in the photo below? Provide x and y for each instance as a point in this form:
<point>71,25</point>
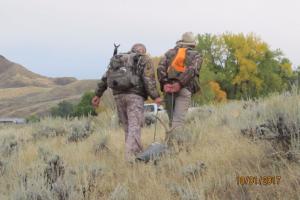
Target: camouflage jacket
<point>193,63</point>
<point>147,86</point>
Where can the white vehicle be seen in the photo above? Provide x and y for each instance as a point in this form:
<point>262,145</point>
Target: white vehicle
<point>150,111</point>
<point>12,121</point>
<point>153,108</point>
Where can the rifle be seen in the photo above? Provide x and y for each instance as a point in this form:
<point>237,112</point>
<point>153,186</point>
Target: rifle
<point>116,49</point>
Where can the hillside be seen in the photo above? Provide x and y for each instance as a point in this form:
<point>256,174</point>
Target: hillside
<point>24,93</point>
<point>13,75</point>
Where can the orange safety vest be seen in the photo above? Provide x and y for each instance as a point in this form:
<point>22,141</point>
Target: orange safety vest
<point>178,62</point>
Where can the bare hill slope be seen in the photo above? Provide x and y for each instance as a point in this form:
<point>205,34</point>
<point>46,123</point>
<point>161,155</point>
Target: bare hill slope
<point>24,93</point>
<point>13,75</point>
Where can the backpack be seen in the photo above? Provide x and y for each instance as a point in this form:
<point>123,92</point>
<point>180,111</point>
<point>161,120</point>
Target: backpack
<point>178,66</point>
<point>123,71</point>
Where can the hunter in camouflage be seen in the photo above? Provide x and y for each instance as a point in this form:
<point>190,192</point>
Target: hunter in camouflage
<point>130,103</point>
<point>130,108</point>
<point>179,81</point>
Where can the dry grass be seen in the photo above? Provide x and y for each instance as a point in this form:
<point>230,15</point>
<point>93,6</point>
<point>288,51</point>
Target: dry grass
<point>86,173</point>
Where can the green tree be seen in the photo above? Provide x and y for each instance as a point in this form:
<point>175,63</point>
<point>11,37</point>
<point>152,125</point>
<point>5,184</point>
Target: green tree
<point>243,65</point>
<point>84,107</point>
<point>32,119</point>
<point>63,109</point>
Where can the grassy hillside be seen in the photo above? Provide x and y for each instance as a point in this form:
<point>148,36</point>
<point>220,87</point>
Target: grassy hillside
<point>22,102</point>
<point>13,75</point>
<point>24,93</point>
<point>11,93</point>
<point>84,159</point>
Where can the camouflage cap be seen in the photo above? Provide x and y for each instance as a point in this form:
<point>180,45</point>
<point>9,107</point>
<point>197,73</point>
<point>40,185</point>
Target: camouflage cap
<point>187,38</point>
<point>139,48</point>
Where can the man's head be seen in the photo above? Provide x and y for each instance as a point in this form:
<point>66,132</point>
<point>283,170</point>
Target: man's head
<point>138,48</point>
<point>187,39</point>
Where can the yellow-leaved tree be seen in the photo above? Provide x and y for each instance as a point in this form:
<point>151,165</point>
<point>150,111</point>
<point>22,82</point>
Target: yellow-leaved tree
<point>244,66</point>
<point>248,52</point>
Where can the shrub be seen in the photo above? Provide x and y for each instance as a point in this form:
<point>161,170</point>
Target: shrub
<point>63,109</point>
<point>80,131</point>
<point>49,132</point>
<point>55,169</point>
<point>8,146</point>
<point>33,119</point>
<point>101,146</point>
<point>2,167</point>
<point>206,95</point>
<point>119,193</point>
<point>84,107</point>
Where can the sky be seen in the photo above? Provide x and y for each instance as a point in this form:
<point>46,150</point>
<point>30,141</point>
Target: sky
<point>75,37</point>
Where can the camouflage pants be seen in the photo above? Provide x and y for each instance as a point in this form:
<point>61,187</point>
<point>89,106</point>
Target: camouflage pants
<point>177,105</point>
<point>131,114</point>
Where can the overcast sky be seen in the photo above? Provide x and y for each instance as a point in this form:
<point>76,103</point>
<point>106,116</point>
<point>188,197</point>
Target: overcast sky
<point>75,37</point>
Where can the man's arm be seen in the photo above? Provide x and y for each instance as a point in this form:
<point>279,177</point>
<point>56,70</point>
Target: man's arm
<point>149,79</point>
<point>102,86</point>
<point>191,71</point>
<point>162,71</point>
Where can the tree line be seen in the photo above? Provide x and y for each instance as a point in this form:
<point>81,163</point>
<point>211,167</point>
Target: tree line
<point>238,66</point>
<point>235,66</point>
<point>67,109</point>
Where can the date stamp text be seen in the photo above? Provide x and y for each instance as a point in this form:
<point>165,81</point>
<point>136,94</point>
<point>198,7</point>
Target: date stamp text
<point>258,180</point>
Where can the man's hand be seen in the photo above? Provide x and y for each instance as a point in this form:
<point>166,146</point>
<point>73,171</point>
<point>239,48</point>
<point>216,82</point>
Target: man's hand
<point>175,87</point>
<point>158,101</point>
<point>95,101</point>
<point>168,88</point>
